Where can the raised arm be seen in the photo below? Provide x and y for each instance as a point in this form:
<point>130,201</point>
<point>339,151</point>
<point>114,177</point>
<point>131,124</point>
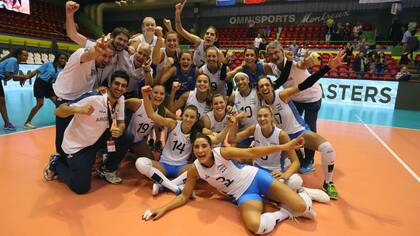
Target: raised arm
<point>157,54</point>
<point>133,104</point>
<point>235,137</point>
<point>180,102</point>
<point>286,94</point>
<point>64,110</point>
<point>95,51</point>
<point>167,122</point>
<point>179,200</point>
<point>71,8</point>
<point>256,152</point>
<point>194,39</point>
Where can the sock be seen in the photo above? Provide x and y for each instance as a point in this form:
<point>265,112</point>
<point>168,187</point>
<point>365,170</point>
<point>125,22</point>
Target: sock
<point>269,220</point>
<point>144,166</point>
<point>327,160</point>
<point>180,179</point>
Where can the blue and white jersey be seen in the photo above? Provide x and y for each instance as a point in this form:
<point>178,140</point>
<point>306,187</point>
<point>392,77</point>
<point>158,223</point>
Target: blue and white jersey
<point>177,148</point>
<point>200,57</point>
<point>227,177</point>
<point>286,115</point>
<point>85,130</point>
<point>247,104</point>
<point>272,161</point>
<point>140,124</point>
<point>217,126</point>
<point>9,65</point>
<point>217,85</point>
<point>48,72</point>
<point>253,77</point>
<point>202,107</point>
<point>187,82</point>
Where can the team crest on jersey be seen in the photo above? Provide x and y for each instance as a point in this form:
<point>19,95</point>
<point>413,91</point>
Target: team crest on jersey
<point>222,168</point>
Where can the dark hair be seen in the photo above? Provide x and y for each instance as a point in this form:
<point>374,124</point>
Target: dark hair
<point>57,56</point>
<point>197,136</point>
<point>197,127</point>
<point>161,108</point>
<point>13,53</point>
<point>120,30</point>
<point>264,77</point>
<point>120,74</point>
<point>251,48</point>
<point>215,30</point>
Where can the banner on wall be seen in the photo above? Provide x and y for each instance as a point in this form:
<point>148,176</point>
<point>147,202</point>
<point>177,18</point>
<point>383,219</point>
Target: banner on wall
<point>23,70</point>
<point>360,92</point>
<point>307,18</point>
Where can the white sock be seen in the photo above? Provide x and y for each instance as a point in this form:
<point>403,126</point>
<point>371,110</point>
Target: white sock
<point>327,160</point>
<point>269,220</point>
<point>180,179</point>
<point>144,166</point>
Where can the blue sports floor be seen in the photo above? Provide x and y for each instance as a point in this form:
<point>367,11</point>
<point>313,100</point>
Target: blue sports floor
<point>20,101</point>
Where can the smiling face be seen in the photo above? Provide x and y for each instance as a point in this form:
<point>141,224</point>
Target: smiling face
<point>242,82</point>
<point>250,56</point>
<point>219,105</point>
<point>202,150</point>
<point>276,56</point>
<point>120,42</point>
<point>265,117</point>
<point>265,87</point>
<point>118,87</point>
<point>148,26</point>
<point>158,95</point>
<point>142,54</point>
<point>202,83</point>
<point>171,41</point>
<point>212,59</point>
<point>185,61</point>
<point>189,118</point>
<point>104,59</point>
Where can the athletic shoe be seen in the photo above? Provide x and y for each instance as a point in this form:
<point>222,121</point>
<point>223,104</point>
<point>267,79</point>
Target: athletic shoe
<point>156,189</point>
<point>330,190</point>
<point>9,126</point>
<point>307,169</point>
<point>309,214</point>
<point>317,195</point>
<point>50,168</point>
<point>28,125</point>
<point>109,176</point>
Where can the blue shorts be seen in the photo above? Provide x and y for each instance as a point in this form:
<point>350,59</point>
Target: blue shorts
<point>171,170</point>
<point>246,142</point>
<point>259,186</point>
<point>295,135</point>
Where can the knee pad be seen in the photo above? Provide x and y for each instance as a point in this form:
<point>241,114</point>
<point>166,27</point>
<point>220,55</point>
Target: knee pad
<point>144,165</point>
<point>294,182</point>
<point>327,152</point>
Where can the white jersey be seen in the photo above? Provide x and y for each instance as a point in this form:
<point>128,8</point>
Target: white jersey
<point>202,107</point>
<point>76,78</point>
<point>200,57</point>
<point>178,147</point>
<point>136,75</point>
<point>227,177</point>
<point>247,104</point>
<point>217,85</point>
<point>140,124</point>
<point>286,116</point>
<point>216,126</point>
<point>272,161</point>
<point>143,40</point>
<point>159,67</point>
<point>85,130</point>
<point>296,77</point>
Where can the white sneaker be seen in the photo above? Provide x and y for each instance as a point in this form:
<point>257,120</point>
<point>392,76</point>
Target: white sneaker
<point>28,125</point>
<point>156,189</point>
<point>317,195</point>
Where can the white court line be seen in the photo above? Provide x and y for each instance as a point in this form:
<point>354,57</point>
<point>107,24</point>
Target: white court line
<point>387,126</point>
<point>27,131</point>
<point>390,150</point>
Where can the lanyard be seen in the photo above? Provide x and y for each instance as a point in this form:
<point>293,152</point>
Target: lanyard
<point>112,116</point>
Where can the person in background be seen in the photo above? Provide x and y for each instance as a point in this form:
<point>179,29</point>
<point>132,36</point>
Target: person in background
<point>46,76</point>
<point>9,69</point>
